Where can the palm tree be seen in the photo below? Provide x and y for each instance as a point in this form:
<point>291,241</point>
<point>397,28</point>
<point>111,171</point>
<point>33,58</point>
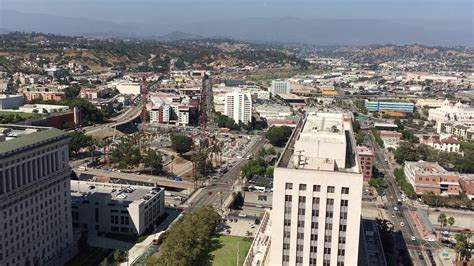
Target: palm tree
<point>451,221</point>
<point>442,220</point>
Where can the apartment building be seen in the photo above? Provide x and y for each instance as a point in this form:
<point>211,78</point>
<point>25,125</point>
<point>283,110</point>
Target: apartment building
<point>35,212</point>
<point>238,106</point>
<point>427,176</point>
<point>280,87</point>
<point>366,161</point>
<point>442,143</point>
<point>115,208</point>
<point>317,195</point>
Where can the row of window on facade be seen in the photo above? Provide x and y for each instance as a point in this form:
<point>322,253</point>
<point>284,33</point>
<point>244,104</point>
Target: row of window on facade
<point>317,188</point>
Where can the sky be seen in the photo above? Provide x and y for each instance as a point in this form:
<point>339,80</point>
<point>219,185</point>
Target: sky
<point>437,22</point>
<point>139,11</point>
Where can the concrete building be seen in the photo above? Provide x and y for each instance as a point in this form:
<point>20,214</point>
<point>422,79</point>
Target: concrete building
<point>128,88</point>
<point>366,161</point>
<point>426,176</point>
<point>463,130</point>
<point>115,208</point>
<point>160,115</point>
<point>453,113</point>
<point>10,101</point>
<point>466,181</point>
<point>379,106</point>
<point>238,106</point>
<point>390,138</point>
<point>263,95</point>
<point>42,108</point>
<point>35,212</point>
<point>317,195</point>
<point>93,93</point>
<point>280,87</point>
<point>440,143</point>
<point>182,115</point>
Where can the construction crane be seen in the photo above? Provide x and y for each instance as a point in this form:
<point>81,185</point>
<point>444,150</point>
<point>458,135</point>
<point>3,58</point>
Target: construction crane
<point>143,101</point>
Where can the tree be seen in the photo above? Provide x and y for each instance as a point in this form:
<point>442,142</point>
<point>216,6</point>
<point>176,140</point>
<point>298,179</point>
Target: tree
<point>201,166</point>
<point>278,136</point>
<point>376,114</point>
<point>72,91</point>
<point>153,160</point>
<point>463,246</point>
<point>120,256</point>
<point>442,220</point>
<point>181,144</point>
<point>186,242</point>
<point>126,153</point>
<point>360,137</point>
<point>78,141</point>
<point>451,222</point>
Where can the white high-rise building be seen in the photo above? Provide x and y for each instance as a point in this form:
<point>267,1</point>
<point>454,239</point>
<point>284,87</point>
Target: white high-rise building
<point>317,195</point>
<point>238,106</point>
<point>280,87</point>
<point>35,203</point>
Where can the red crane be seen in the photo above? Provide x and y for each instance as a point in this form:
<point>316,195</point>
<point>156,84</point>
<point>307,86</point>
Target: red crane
<point>143,101</point>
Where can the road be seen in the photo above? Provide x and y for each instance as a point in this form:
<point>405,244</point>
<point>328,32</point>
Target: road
<point>218,191</point>
<point>401,214</point>
<point>130,114</point>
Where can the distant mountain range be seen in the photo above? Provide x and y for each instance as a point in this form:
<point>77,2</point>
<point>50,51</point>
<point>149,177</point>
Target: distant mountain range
<point>278,29</point>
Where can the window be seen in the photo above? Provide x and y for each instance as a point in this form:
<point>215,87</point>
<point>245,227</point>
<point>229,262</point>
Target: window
<point>302,199</point>
<point>289,186</point>
<point>341,252</point>
<point>330,189</point>
<point>314,237</point>
<point>286,246</point>
<point>299,259</point>
<point>327,250</point>
<point>299,247</point>
<point>316,188</point>
<point>286,258</point>
<point>303,187</point>
<point>344,203</point>
<point>288,198</point>
<point>300,235</point>
<point>300,223</point>
<point>313,249</point>
<point>287,222</point>
<point>312,261</point>
<point>345,190</point>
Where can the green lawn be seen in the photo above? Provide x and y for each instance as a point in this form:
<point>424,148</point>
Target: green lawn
<point>93,256</point>
<point>224,250</point>
<point>22,115</point>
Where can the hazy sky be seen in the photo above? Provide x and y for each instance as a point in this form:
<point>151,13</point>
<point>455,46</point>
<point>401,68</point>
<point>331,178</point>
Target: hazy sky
<point>198,10</point>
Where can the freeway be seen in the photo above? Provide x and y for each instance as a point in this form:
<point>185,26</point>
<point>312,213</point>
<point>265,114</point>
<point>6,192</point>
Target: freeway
<point>127,116</point>
<point>218,191</point>
<point>400,214</point>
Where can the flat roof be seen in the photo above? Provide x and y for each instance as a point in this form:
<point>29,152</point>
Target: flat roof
<point>19,137</point>
<point>118,192</point>
<point>318,130</point>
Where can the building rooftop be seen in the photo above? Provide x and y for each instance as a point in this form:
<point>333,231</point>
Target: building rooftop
<point>362,150</point>
<point>120,193</point>
<point>427,168</point>
<point>16,137</point>
<point>322,141</point>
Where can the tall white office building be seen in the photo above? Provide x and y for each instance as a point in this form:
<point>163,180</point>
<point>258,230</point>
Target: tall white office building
<point>280,87</point>
<point>35,204</point>
<point>317,195</point>
<point>238,106</point>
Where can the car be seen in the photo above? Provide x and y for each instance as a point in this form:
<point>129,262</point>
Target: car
<point>252,226</point>
<point>413,238</point>
<point>420,255</point>
<point>445,233</point>
<point>402,224</point>
<point>242,215</point>
<point>395,208</point>
<point>393,215</point>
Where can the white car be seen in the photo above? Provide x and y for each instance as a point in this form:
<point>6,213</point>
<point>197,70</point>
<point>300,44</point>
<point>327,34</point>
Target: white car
<point>395,208</point>
<point>402,224</point>
<point>413,238</point>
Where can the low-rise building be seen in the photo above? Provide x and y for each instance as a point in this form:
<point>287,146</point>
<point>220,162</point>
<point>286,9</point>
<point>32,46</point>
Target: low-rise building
<point>447,143</point>
<point>463,130</point>
<point>431,177</point>
<point>390,139</point>
<point>454,113</point>
<point>366,161</point>
<point>43,108</point>
<point>128,88</point>
<point>115,208</point>
<point>93,93</point>
<point>10,101</point>
<point>380,106</point>
<point>466,181</point>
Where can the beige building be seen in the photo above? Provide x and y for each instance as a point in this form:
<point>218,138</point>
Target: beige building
<point>35,203</point>
<point>317,195</point>
<point>426,177</point>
